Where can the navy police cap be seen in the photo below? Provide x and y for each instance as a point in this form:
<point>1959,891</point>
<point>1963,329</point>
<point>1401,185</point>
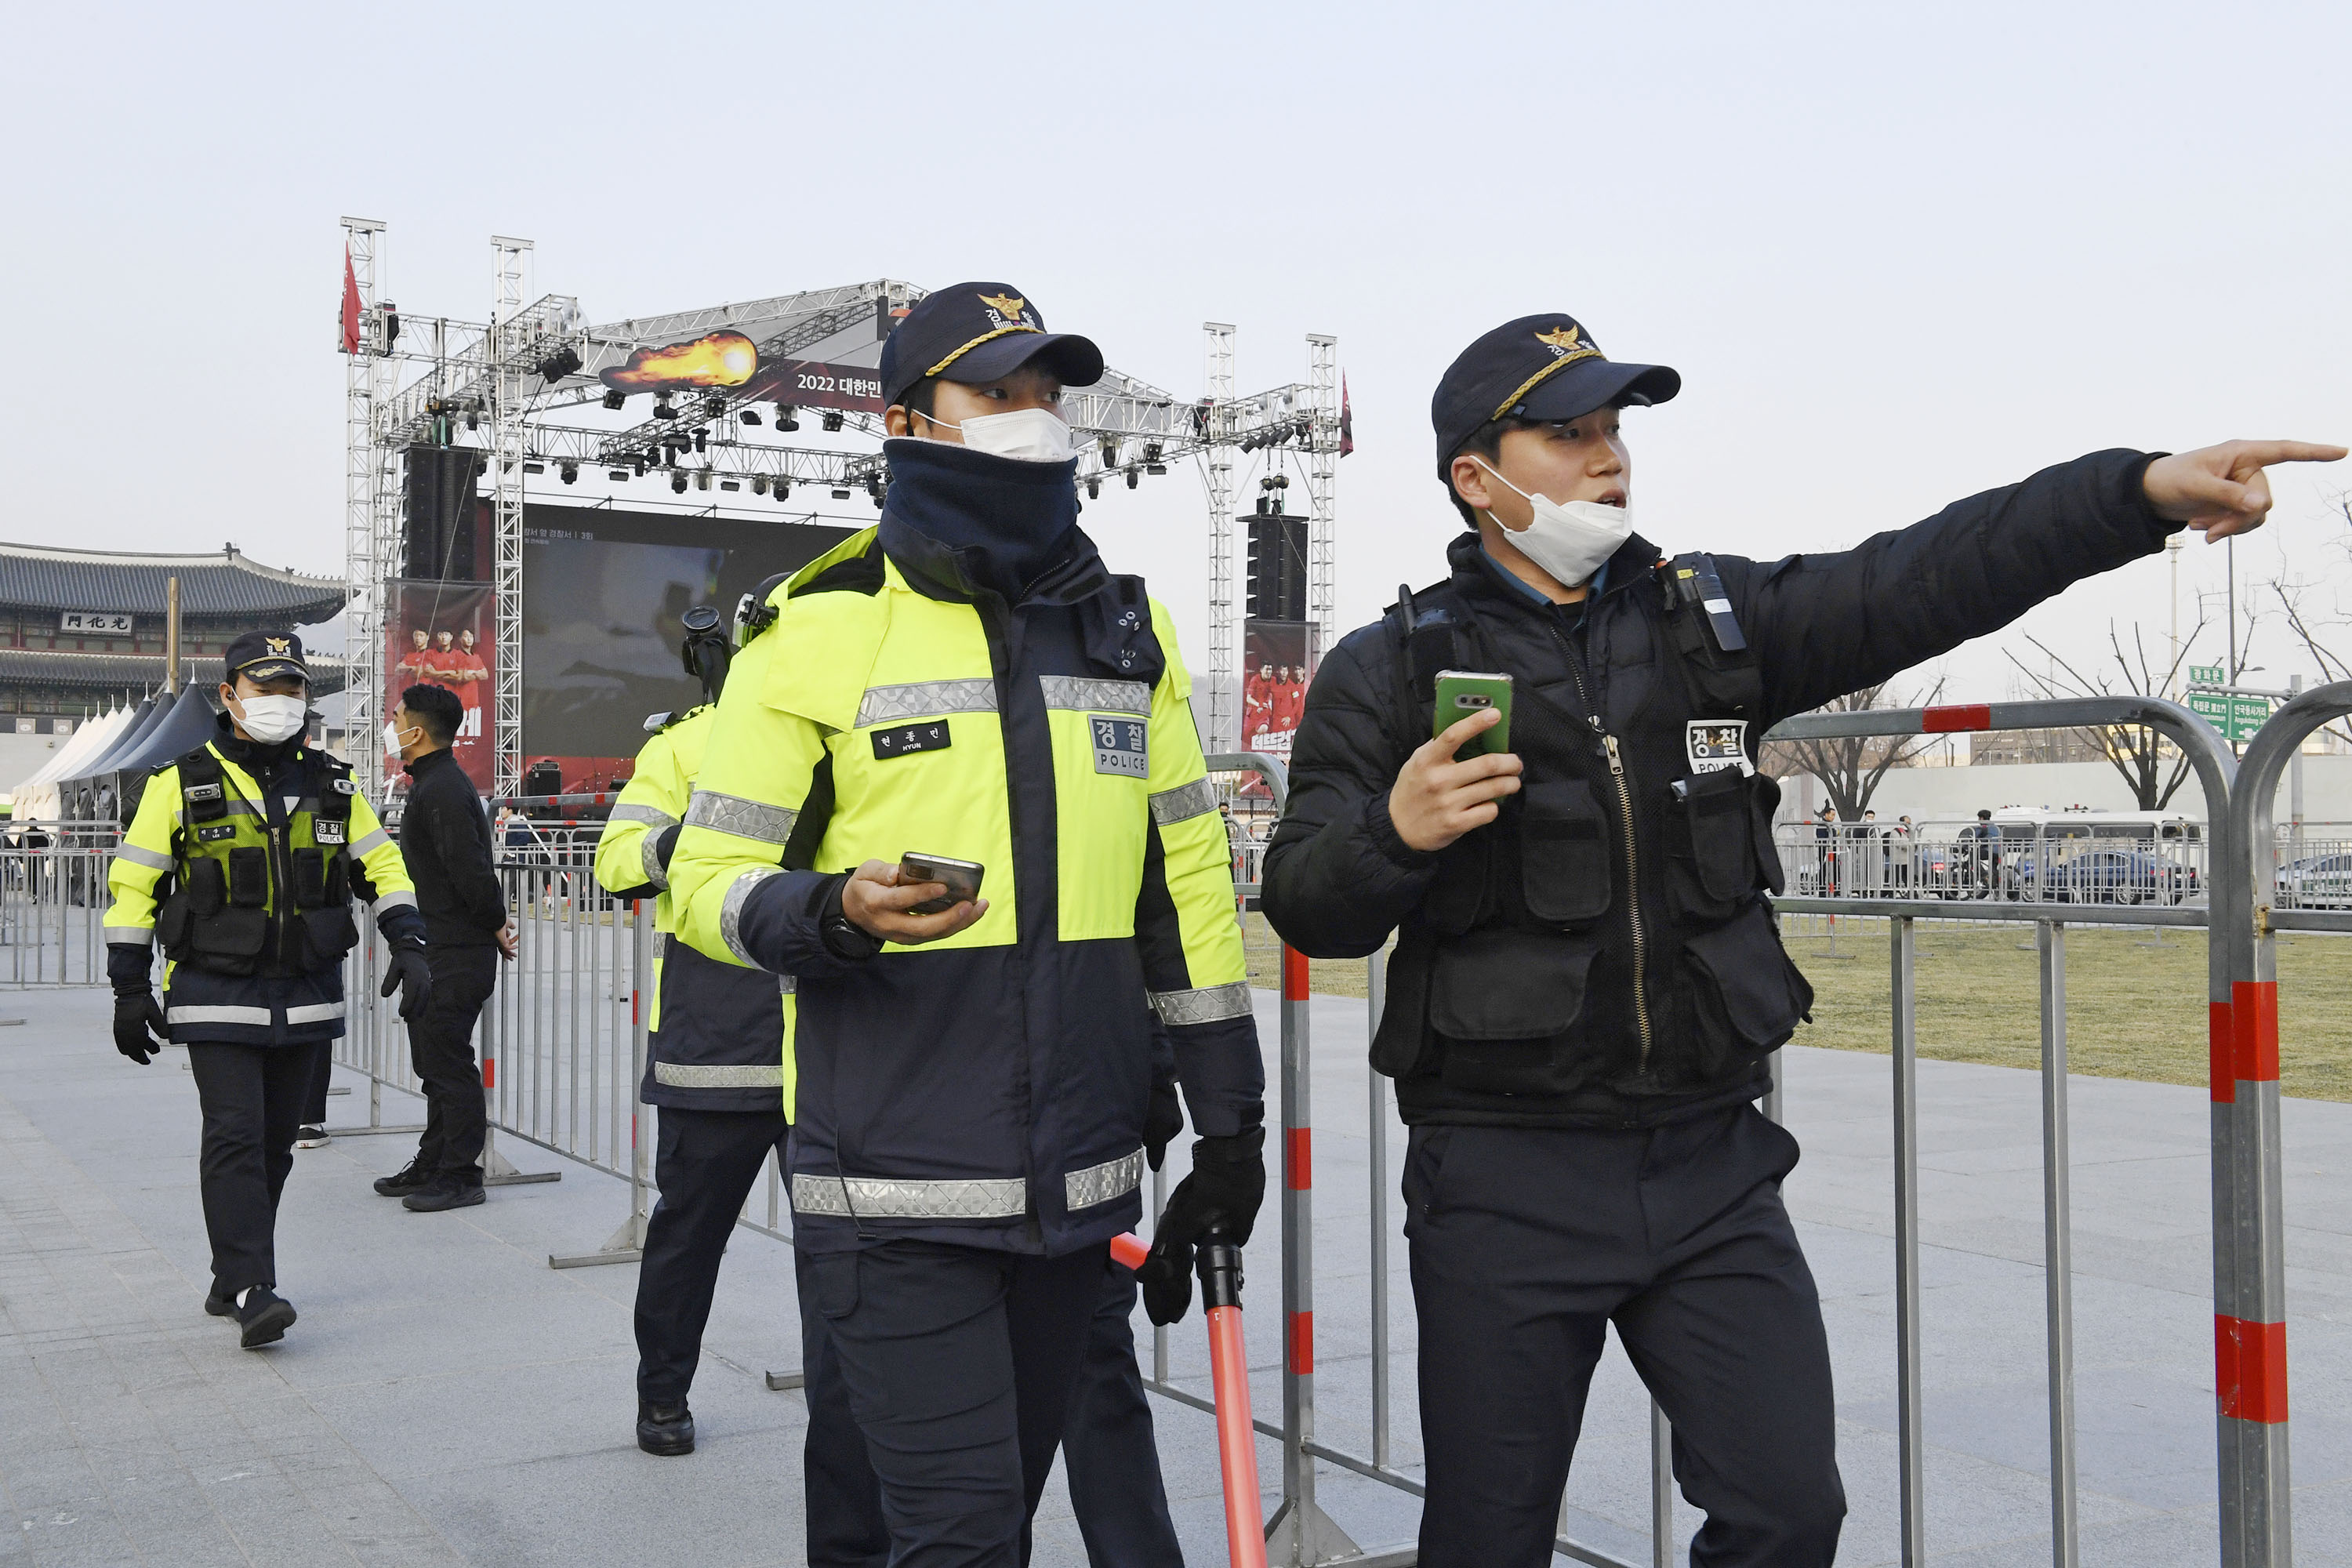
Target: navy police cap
<point>978,333</point>
<point>1539,367</point>
<point>265,656</point>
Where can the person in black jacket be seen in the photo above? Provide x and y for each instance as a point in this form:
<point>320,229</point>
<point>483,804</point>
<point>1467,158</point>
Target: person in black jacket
<point>1588,979</point>
<point>445,837</point>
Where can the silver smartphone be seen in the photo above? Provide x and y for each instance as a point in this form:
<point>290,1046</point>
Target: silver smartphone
<point>961,877</point>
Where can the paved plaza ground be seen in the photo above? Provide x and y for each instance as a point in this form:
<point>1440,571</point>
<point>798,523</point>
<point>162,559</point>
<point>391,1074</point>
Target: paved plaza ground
<point>447,1398</point>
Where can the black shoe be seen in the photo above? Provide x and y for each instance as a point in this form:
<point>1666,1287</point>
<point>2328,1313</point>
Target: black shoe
<point>411,1178</point>
<point>667,1429</point>
<point>445,1193</point>
<point>310,1138</point>
<point>218,1305</point>
<point>264,1319</point>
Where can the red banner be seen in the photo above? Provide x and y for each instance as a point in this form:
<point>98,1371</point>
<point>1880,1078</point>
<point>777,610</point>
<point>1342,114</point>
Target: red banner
<point>440,634</point>
<point>1277,662</point>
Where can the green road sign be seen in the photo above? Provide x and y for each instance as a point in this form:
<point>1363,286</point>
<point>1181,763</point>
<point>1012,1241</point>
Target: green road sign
<point>2236,717</point>
<point>2207,675</point>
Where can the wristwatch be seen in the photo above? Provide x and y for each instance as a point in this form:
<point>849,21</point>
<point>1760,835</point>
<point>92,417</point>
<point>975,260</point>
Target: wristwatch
<point>844,938</point>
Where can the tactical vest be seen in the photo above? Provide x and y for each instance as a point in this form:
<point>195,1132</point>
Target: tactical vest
<point>1610,929</point>
<point>255,900</point>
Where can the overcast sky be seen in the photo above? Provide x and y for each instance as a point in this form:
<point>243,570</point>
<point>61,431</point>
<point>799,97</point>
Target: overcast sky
<point>1898,254</point>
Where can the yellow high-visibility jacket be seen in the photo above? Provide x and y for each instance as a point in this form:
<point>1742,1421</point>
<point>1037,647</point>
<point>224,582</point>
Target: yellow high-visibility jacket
<point>989,1090</point>
<point>248,880</point>
<point>721,1033</point>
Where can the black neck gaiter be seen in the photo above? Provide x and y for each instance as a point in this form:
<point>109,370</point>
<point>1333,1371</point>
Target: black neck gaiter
<point>1007,520</point>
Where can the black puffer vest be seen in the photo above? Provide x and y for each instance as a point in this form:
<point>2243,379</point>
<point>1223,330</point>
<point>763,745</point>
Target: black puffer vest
<point>1607,940</point>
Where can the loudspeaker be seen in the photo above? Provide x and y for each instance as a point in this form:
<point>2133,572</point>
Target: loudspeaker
<point>443,514</point>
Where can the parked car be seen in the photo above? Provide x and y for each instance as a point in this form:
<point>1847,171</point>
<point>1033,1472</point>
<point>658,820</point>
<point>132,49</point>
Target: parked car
<point>2109,877</point>
<point>2317,882</point>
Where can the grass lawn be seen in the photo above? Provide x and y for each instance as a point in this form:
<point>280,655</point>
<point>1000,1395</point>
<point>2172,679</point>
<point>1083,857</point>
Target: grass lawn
<point>2132,1010</point>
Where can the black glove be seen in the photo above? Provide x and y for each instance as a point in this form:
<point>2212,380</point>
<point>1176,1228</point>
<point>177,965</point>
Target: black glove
<point>135,1014</point>
<point>1222,1195</point>
<point>411,975</point>
<point>1162,1121</point>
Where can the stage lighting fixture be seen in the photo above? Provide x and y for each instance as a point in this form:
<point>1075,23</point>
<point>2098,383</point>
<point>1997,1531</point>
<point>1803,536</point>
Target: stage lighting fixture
<point>749,417</point>
<point>702,479</point>
<point>729,485</point>
<point>638,461</point>
<point>1150,452</point>
<point>873,487</point>
<point>713,405</point>
<point>534,468</point>
<point>571,472</point>
<point>840,494</point>
<point>618,475</point>
<point>702,437</point>
<point>678,484</point>
<point>615,398</point>
<point>785,419</point>
<point>833,419</point>
<point>758,484</point>
<point>1109,453</point>
<point>1155,470</point>
<point>559,365</point>
<point>1133,479</point>
<point>1094,489</point>
<point>783,489</point>
<point>473,420</point>
<point>662,410</point>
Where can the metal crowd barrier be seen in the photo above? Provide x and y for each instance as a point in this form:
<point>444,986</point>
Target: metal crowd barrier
<point>53,902</point>
<point>564,1048</point>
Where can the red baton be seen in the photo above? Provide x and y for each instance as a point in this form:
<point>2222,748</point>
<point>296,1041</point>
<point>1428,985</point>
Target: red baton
<point>1221,1293</point>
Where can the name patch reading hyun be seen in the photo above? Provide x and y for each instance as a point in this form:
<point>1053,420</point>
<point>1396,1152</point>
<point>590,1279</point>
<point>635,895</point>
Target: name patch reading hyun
<point>908,739</point>
<point>1714,745</point>
<point>1119,746</point>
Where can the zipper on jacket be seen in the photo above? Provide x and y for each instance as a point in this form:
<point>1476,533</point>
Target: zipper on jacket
<point>1633,863</point>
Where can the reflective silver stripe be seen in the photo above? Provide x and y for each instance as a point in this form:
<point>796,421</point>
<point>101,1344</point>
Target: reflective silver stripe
<point>376,839</point>
<point>1089,694</point>
<point>873,1197</point>
<point>256,1017</point>
<point>786,985</point>
<point>317,1013</point>
<point>1206,1006</point>
<point>925,700</point>
<point>153,859</point>
<point>1184,801</point>
<point>402,898</point>
<point>731,911</point>
<point>743,818</point>
<point>629,812</point>
<point>649,858</point>
<point>677,1074</point>
<point>1100,1184</point>
<point>136,936</point>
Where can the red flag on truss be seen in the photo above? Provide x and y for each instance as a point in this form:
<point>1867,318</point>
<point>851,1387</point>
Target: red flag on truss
<point>350,305</point>
<point>1347,419</point>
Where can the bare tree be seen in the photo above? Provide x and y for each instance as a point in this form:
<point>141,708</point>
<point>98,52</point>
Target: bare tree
<point>2136,752</point>
<point>1851,766</point>
<point>2317,629</point>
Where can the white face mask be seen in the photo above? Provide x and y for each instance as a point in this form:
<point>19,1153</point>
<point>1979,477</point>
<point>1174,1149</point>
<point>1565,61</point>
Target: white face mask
<point>1569,540</point>
<point>398,740</point>
<point>270,719</point>
<point>1025,434</point>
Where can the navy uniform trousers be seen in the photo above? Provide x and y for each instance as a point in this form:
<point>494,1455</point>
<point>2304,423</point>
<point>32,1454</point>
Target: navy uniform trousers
<point>1527,1243</point>
<point>956,1372</point>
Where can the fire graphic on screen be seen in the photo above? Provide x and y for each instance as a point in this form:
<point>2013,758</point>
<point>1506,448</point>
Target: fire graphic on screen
<point>722,359</point>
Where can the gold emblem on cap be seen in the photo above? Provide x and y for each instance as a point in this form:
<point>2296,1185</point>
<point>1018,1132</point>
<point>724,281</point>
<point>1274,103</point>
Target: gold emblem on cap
<point>1561,337</point>
<point>1003,305</point>
<point>278,645</point>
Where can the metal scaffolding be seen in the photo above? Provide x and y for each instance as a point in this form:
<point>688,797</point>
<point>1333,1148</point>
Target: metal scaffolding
<point>494,385</point>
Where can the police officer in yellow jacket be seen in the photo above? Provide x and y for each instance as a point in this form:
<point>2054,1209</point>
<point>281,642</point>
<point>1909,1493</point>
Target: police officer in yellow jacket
<point>243,860</point>
<point>969,680</point>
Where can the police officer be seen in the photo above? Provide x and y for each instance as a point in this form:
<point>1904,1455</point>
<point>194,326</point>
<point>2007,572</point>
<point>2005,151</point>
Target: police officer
<point>243,859</point>
<point>1588,978</point>
<point>967,680</point>
<point>719,1063</point>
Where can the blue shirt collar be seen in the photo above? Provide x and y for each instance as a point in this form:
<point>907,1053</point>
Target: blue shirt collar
<point>1598,585</point>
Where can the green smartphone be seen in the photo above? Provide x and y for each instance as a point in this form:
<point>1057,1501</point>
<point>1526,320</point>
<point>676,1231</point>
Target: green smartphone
<point>1463,693</point>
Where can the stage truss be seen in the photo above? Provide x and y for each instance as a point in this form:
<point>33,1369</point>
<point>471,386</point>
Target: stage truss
<point>513,386</point>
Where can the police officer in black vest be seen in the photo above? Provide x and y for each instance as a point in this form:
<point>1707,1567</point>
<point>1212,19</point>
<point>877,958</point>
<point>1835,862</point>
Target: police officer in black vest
<point>1588,977</point>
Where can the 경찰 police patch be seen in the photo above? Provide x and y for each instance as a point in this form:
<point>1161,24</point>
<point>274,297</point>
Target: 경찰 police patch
<point>1119,745</point>
<point>1714,745</point>
<point>326,831</point>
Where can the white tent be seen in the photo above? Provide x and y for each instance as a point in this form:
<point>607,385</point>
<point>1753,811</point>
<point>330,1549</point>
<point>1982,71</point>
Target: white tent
<point>37,796</point>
